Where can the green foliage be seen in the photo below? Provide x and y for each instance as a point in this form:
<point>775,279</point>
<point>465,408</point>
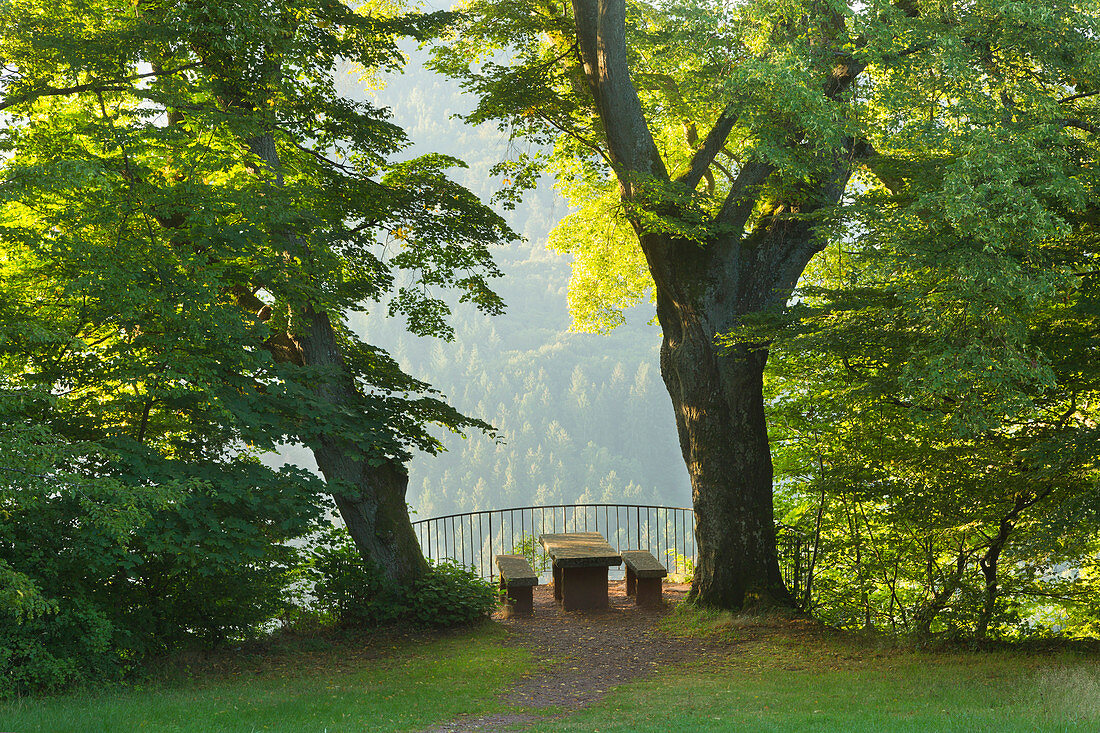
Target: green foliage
<point>98,573</point>
<point>182,190</point>
<point>352,593</point>
<point>683,568</point>
<point>609,273</point>
<point>450,595</point>
<point>531,549</point>
<point>73,642</point>
<point>349,591</point>
<point>935,387</point>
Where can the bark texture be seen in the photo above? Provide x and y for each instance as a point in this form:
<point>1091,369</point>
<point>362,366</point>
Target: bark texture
<point>704,289</point>
<point>370,498</point>
<point>369,495</point>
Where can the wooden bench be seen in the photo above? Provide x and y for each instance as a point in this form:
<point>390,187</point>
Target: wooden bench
<point>643,577</point>
<point>517,579</point>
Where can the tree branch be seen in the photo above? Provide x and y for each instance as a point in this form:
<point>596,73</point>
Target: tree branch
<point>874,161</point>
<point>1075,97</point>
<point>601,38</point>
<point>909,7</point>
<point>116,85</point>
<point>741,200</point>
<point>1079,125</point>
<point>712,145</point>
<point>843,74</point>
<point>578,137</point>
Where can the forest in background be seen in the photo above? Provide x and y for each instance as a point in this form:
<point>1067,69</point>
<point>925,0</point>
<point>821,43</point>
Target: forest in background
<point>581,417</point>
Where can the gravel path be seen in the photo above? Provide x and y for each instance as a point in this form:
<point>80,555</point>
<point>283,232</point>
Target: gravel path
<point>581,655</point>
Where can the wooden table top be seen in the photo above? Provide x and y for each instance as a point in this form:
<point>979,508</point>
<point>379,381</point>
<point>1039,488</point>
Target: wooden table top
<point>579,549</point>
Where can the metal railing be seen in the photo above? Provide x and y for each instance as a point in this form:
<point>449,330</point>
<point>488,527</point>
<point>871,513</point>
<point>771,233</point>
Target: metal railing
<point>474,538</point>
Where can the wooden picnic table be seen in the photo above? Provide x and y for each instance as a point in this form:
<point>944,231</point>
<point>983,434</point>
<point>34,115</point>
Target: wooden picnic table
<point>581,560</point>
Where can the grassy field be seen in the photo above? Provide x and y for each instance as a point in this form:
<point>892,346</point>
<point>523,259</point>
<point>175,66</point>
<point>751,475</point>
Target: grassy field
<point>401,684</point>
<point>771,675</point>
<point>791,676</point>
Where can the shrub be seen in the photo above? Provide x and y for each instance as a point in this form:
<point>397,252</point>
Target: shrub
<point>349,591</point>
<point>683,568</point>
<point>44,646</point>
<point>449,595</point>
<point>352,593</point>
<point>100,571</point>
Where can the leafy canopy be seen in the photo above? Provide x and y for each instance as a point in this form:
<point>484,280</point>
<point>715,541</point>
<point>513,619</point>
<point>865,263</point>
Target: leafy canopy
<point>153,271</point>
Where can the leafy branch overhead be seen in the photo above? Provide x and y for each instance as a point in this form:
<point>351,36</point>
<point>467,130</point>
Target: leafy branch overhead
<point>172,149</point>
<point>749,102</point>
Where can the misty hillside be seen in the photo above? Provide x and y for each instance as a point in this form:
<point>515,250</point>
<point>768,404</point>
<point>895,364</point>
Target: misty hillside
<point>581,417</point>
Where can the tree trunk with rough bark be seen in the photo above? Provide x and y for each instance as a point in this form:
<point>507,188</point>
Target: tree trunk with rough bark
<point>704,290</point>
<point>369,495</point>
<point>718,401</point>
<point>370,498</point>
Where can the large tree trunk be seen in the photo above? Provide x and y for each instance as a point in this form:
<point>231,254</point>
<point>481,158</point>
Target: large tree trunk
<point>369,495</point>
<point>719,406</point>
<point>371,499</point>
<point>718,401</point>
<point>704,289</point>
<point>717,391</point>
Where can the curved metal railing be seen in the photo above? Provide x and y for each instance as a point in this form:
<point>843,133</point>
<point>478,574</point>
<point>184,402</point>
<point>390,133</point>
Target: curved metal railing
<point>473,538</point>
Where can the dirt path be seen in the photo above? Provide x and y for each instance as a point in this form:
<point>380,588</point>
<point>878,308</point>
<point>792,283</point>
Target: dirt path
<point>581,655</point>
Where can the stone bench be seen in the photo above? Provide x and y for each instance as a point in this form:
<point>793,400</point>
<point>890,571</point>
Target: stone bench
<point>643,577</point>
<point>517,579</point>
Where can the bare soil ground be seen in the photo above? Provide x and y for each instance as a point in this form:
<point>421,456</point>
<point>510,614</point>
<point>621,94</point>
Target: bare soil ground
<point>580,655</point>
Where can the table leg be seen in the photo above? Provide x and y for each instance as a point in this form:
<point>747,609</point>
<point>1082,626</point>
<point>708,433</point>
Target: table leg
<point>557,584</point>
<point>583,588</point>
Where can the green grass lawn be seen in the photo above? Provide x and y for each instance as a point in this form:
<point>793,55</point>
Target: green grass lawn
<point>775,675</point>
<point>407,685</point>
<point>778,677</point>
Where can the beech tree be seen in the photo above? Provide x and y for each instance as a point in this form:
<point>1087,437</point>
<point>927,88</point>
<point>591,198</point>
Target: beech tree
<point>197,211</point>
<point>712,150</point>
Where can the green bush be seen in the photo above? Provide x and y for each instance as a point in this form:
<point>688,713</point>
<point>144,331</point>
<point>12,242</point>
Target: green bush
<point>449,595</point>
<point>348,591</point>
<point>352,593</point>
<point>53,647</point>
<point>101,570</point>
<point>683,568</point>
